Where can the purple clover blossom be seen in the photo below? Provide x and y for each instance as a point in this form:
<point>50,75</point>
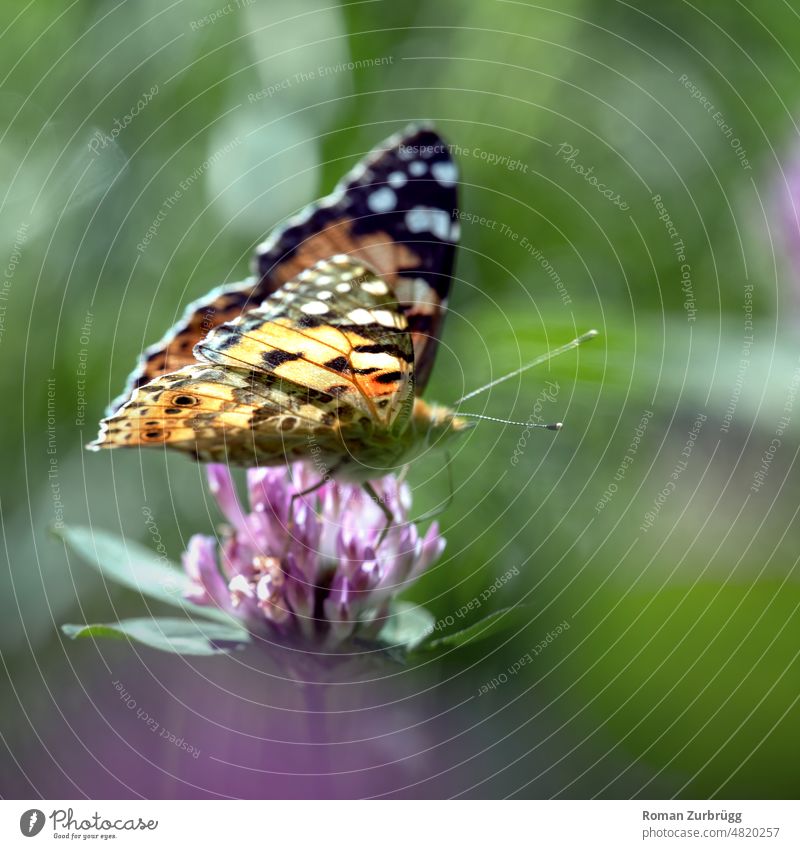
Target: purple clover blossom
<point>321,576</point>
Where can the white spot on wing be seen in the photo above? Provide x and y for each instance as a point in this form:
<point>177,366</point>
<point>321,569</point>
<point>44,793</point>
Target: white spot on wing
<point>417,168</point>
<point>444,173</point>
<point>397,179</point>
<point>360,316</point>
<point>375,287</point>
<point>382,200</point>
<point>424,219</point>
<point>384,318</point>
<point>268,244</point>
<point>314,308</point>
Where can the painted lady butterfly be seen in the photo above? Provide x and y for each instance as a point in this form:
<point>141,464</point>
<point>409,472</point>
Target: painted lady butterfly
<point>323,351</point>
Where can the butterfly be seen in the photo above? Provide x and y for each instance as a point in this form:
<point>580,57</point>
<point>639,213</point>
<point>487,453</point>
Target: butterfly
<point>321,354</point>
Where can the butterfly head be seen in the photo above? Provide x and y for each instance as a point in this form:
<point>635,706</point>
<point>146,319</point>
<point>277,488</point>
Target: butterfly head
<point>434,424</point>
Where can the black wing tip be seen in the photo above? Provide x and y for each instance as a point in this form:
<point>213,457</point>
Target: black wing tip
<point>421,131</point>
<point>416,133</point>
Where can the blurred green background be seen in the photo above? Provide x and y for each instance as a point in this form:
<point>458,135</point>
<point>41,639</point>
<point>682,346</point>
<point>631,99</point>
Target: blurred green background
<point>679,673</point>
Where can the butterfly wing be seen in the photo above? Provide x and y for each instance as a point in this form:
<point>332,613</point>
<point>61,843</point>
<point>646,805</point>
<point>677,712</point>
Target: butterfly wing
<point>214,415</point>
<point>336,329</point>
<point>394,210</point>
<point>326,360</point>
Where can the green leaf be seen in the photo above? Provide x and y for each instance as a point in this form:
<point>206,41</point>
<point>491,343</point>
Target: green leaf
<point>137,568</point>
<point>178,636</point>
<point>494,623</point>
<point>406,626</point>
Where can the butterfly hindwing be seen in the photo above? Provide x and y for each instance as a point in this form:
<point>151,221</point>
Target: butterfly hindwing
<point>337,329</point>
<point>222,414</point>
<point>326,361</point>
<point>395,210</point>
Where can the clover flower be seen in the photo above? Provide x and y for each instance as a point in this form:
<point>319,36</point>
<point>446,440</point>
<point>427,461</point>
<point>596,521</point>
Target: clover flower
<point>314,567</point>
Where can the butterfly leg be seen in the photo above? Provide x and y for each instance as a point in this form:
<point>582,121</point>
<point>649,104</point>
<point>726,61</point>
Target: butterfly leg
<point>437,511</point>
<point>307,491</point>
<point>370,490</point>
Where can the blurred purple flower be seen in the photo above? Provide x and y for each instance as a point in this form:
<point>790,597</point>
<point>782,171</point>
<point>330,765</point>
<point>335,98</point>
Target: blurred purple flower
<point>322,576</point>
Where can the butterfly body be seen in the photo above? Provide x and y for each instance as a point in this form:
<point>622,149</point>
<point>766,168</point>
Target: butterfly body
<point>322,354</point>
<point>377,453</point>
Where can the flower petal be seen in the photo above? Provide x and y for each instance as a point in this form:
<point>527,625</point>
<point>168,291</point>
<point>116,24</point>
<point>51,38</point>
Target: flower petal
<point>338,611</point>
<point>221,485</point>
<point>433,544</point>
<point>200,564</point>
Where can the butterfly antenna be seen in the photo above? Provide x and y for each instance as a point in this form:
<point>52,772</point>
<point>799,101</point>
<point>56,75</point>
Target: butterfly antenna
<point>542,358</point>
<point>553,426</point>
